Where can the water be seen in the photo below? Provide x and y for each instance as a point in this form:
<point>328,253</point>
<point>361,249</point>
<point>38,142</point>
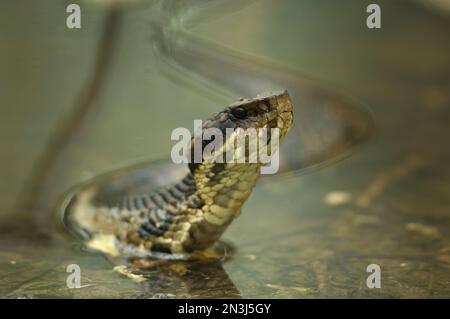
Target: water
<point>291,239</point>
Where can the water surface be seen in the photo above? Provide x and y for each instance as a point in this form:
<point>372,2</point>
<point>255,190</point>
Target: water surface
<point>304,236</point>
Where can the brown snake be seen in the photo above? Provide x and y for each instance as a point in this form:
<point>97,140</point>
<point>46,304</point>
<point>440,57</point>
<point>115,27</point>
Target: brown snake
<point>192,214</point>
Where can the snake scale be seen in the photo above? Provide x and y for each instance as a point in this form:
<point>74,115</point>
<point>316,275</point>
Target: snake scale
<point>192,214</point>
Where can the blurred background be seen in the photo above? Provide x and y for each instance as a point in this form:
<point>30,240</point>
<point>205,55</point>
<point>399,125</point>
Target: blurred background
<point>75,103</point>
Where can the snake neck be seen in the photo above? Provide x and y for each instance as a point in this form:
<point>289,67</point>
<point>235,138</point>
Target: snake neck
<point>221,190</point>
<point>213,195</point>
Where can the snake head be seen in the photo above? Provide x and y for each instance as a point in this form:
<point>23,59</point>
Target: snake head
<point>266,110</point>
<point>263,113</point>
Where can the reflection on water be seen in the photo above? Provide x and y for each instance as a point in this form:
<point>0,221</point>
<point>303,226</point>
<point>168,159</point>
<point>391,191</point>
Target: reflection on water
<point>285,247</point>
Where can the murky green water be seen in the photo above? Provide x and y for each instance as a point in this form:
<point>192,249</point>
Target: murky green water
<point>302,236</point>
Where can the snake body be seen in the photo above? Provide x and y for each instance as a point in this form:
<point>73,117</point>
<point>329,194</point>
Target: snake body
<point>193,213</point>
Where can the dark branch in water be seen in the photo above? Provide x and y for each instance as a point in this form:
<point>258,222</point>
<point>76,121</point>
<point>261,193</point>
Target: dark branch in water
<point>67,127</point>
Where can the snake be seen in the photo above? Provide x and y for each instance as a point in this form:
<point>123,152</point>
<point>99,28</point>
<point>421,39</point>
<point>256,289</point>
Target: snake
<point>193,213</point>
<point>158,211</point>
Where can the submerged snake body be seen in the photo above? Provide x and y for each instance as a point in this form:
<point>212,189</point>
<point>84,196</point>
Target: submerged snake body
<point>192,214</point>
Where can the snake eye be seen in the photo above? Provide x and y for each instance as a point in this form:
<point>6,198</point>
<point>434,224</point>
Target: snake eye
<point>239,112</point>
